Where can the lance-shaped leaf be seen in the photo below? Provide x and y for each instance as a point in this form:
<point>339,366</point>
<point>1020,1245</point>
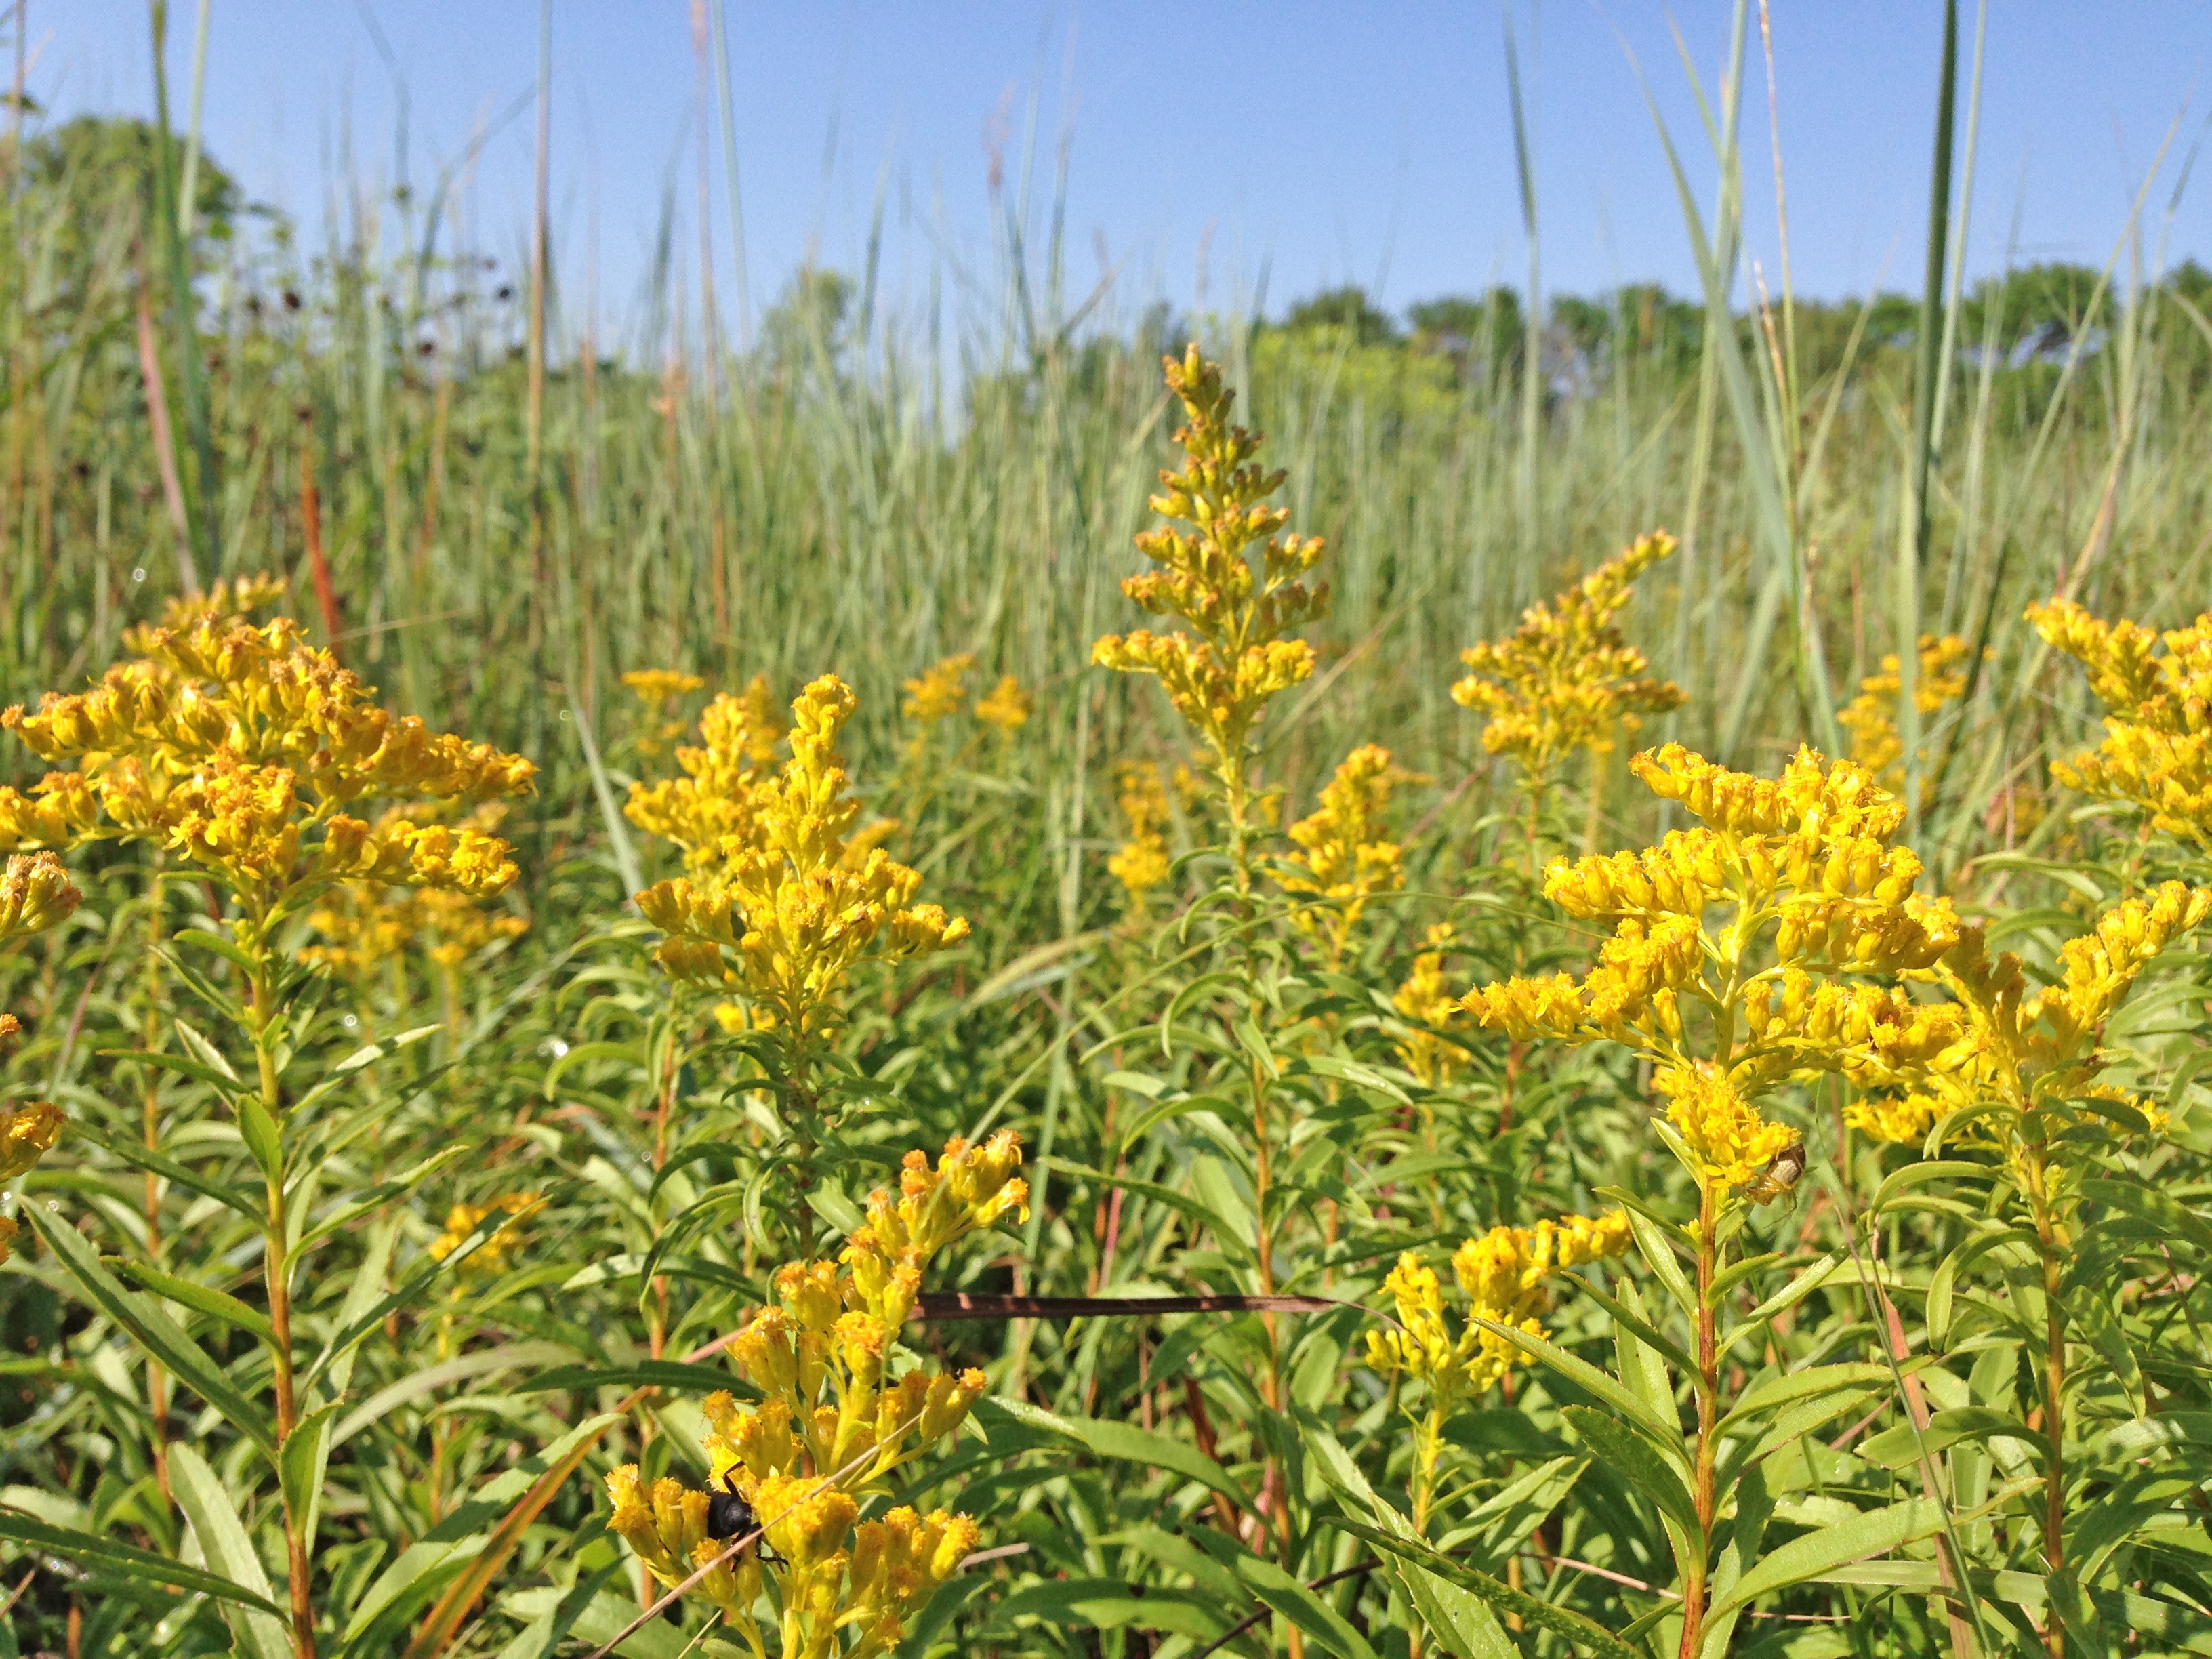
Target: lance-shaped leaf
<point>148,1322</point>
<point>228,1551</point>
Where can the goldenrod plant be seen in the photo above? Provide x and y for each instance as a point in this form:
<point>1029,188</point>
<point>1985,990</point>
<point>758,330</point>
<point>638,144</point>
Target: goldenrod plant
<point>1870,717</point>
<point>237,751</point>
<point>1764,945</point>
<point>1239,654</point>
<point>1142,862</point>
<point>1505,1276</point>
<point>841,1409</point>
<point>2156,688</point>
<point>1566,680</point>
<point>791,904</point>
<point>1343,856</point>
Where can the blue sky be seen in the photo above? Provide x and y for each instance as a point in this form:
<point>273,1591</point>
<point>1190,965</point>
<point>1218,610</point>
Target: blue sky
<point>1206,144</point>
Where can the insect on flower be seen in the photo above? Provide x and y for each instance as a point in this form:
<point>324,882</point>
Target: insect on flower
<point>1779,1178</point>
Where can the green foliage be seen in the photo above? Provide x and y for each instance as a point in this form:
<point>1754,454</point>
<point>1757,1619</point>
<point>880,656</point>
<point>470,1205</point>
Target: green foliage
<point>1211,1108</point>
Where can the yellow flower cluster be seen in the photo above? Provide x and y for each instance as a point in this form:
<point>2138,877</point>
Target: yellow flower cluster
<point>788,896</point>
<point>1503,1275</point>
<point>2157,752</point>
<point>2019,1056</point>
<point>713,800</point>
<point>941,691</point>
<point>1428,998</point>
<point>1343,856</point>
<point>1220,675</point>
<point>1566,679</point>
<point>656,689</point>
<point>837,1416</point>
<point>496,1252</point>
<point>227,601</point>
<point>1814,896</point>
<point>1006,707</point>
<point>238,749</point>
<point>35,893</point>
<point>1871,717</point>
<point>1143,861</point>
<point>367,924</point>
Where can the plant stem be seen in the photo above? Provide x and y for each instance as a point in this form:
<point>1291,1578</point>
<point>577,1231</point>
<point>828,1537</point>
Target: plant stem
<point>1706,1385</point>
<point>278,1266</point>
<point>2054,1423</point>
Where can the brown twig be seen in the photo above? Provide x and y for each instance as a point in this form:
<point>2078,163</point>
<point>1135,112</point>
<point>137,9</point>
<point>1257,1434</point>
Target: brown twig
<point>941,1306</point>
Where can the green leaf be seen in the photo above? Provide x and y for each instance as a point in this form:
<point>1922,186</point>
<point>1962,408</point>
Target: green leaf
<point>1125,1443</point>
<point>1791,1386</point>
<point>673,1374</point>
<point>301,1462</point>
<point>207,1053</point>
<point>1900,1447</point>
<point>225,1081</point>
<point>1644,1330</point>
<point>1459,1620</point>
<point>1877,1532</point>
<point>243,1199</point>
<point>91,1551</point>
<point>1592,1381</point>
<point>365,1057</point>
<point>229,1552</point>
<point>1630,1455</point>
<point>1788,1297</point>
<point>201,937</point>
<point>161,1335</point>
<point>1113,1604</point>
<point>1585,1637</point>
<point>1291,1599</point>
<point>259,1131</point>
<point>1497,1525</point>
<point>200,1299</point>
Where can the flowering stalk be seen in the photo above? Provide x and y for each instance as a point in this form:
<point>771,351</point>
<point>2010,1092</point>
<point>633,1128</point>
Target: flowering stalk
<point>786,899</point>
<point>2018,1073</point>
<point>1237,657</point>
<point>1566,679</point>
<point>838,1417</point>
<point>238,749</point>
<point>1813,905</point>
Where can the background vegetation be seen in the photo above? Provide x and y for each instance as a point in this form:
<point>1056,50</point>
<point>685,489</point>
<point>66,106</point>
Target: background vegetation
<point>493,514</point>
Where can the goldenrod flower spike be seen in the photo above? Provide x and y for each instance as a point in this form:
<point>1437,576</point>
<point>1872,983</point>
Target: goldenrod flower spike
<point>1428,998</point>
<point>2019,1056</point>
<point>940,690</point>
<point>1871,717</point>
<point>1006,708</point>
<point>1143,861</point>
<point>792,899</point>
<point>1566,680</point>
<point>1231,577</point>
<point>843,1408</point>
<point>1505,1276</point>
<point>2157,752</point>
<point>711,804</point>
<point>1748,951</point>
<point>239,749</point>
<point>1345,856</point>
